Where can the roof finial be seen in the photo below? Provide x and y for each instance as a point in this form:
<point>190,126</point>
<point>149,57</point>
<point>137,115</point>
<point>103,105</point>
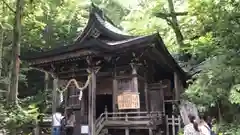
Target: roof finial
<point>96,9</point>
<point>92,4</point>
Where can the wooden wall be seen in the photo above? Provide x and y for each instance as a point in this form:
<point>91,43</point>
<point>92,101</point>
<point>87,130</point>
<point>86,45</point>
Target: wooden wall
<point>104,86</point>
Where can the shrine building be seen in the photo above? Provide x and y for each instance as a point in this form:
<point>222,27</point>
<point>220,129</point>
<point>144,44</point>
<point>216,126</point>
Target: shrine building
<point>118,83</point>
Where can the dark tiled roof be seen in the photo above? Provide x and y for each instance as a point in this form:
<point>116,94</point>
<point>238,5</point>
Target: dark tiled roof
<point>97,21</point>
<point>103,35</point>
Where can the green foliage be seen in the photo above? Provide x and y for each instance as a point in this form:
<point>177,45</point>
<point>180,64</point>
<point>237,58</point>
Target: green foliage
<point>235,94</point>
<point>230,129</point>
<point>211,34</point>
<point>15,117</point>
<point>217,46</point>
<point>180,132</point>
<point>201,48</point>
<point>140,21</point>
<point>113,6</point>
<point>53,23</point>
<point>149,17</point>
<point>24,116</point>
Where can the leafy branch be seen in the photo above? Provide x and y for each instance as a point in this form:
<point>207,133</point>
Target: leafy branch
<point>166,15</point>
<point>9,7</point>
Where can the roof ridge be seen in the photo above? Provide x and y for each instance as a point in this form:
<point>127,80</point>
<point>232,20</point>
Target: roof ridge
<point>100,12</point>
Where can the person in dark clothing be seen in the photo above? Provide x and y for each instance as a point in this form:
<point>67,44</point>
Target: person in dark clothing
<point>209,121</point>
<point>70,122</point>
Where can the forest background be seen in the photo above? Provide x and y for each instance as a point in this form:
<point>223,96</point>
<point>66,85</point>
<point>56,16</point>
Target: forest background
<point>202,35</point>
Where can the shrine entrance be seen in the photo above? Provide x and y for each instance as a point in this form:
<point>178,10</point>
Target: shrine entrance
<point>103,100</point>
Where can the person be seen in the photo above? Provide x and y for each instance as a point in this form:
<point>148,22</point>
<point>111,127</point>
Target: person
<point>192,127</point>
<point>204,126</point>
<point>70,122</point>
<point>209,122</point>
<point>56,122</point>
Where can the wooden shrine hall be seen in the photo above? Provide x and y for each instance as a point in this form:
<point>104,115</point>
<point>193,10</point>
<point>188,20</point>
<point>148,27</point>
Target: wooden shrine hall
<point>116,83</point>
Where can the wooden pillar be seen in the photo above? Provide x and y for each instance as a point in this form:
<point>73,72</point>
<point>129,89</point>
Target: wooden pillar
<point>82,111</point>
<point>162,97</point>
<point>114,92</point>
<point>46,80</point>
<point>181,87</point>
<point>146,93</point>
<point>92,103</point>
<point>150,131</point>
<point>176,86</point>
<point>134,79</point>
<point>54,95</point>
<point>126,129</point>
<point>66,98</point>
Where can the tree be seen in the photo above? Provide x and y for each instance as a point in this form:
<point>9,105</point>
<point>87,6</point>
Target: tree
<point>154,16</point>
<point>210,30</point>
<point>174,23</point>
<point>216,46</point>
<point>13,91</point>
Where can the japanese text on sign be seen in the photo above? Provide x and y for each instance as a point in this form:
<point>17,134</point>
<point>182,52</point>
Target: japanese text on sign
<point>128,100</point>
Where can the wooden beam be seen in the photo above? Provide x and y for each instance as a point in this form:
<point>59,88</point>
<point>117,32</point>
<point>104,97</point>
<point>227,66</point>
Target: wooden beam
<point>80,54</point>
<point>83,70</point>
<point>92,103</point>
<point>80,75</point>
<point>130,127</point>
<point>114,91</point>
<point>130,76</point>
<point>146,93</point>
<point>176,86</point>
<point>100,74</point>
<point>71,57</point>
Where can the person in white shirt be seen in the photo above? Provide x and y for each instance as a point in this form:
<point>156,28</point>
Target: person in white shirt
<point>70,122</point>
<point>192,127</point>
<point>204,127</point>
<point>56,122</point>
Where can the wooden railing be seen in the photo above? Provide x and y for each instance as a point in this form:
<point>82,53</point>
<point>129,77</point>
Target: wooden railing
<point>173,123</point>
<point>126,116</point>
<point>120,116</point>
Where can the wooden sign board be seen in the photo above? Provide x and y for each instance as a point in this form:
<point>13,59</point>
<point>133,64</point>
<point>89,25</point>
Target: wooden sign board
<point>128,100</point>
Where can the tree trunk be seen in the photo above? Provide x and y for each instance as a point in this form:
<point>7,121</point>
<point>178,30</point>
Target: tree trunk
<point>175,24</point>
<point>46,83</point>
<point>13,91</point>
<point>1,50</point>
<point>1,47</point>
